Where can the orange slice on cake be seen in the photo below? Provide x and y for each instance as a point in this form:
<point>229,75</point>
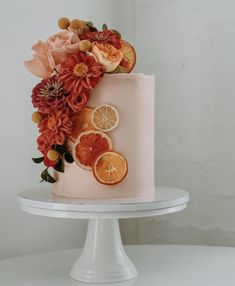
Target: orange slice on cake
<point>88,146</point>
<point>129,58</point>
<point>110,168</point>
<point>82,123</point>
<point>105,118</point>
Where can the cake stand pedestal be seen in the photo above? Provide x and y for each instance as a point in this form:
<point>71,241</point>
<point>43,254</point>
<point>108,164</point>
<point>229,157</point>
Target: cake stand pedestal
<point>103,258</point>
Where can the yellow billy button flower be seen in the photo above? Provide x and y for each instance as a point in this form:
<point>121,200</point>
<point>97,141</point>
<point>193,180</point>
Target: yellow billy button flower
<point>63,23</point>
<point>36,117</point>
<point>53,155</point>
<point>84,46</point>
<point>75,24</point>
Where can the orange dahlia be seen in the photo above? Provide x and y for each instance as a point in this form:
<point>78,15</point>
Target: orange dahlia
<point>104,37</point>
<point>80,72</point>
<point>43,143</point>
<point>56,126</point>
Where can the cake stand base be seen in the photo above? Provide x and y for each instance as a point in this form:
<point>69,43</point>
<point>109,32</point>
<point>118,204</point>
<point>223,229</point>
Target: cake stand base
<point>103,258</point>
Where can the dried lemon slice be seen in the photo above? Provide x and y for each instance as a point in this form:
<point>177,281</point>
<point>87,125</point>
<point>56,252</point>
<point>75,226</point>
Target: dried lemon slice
<point>129,58</point>
<point>110,168</point>
<point>105,118</point>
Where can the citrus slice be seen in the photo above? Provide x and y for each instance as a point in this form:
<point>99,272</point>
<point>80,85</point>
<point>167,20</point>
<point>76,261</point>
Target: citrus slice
<point>110,168</point>
<point>105,118</point>
<point>88,146</point>
<point>82,123</point>
<point>129,58</point>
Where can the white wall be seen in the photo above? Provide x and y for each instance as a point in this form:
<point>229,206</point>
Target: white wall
<point>21,24</point>
<point>190,46</point>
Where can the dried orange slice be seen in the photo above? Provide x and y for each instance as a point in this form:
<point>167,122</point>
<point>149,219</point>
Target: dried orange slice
<point>129,58</point>
<point>88,146</point>
<point>82,123</point>
<point>110,168</point>
<point>105,118</point>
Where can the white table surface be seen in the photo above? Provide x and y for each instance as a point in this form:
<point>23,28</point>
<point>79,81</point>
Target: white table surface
<point>161,265</point>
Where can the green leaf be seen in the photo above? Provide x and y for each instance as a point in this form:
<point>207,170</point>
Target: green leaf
<point>47,177</point>
<point>44,174</point>
<point>59,166</point>
<point>117,33</point>
<point>59,148</point>
<point>104,27</point>
<point>91,26</point>
<point>93,29</point>
<point>68,157</point>
<point>38,160</point>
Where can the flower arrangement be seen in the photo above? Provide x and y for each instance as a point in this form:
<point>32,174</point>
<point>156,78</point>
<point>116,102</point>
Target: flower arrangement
<point>70,64</point>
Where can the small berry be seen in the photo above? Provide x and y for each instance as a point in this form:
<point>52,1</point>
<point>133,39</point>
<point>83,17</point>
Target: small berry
<point>75,24</point>
<point>53,155</point>
<point>63,23</point>
<point>36,117</point>
<point>84,46</point>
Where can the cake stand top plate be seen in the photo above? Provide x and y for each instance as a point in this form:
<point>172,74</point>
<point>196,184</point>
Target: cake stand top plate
<point>41,201</point>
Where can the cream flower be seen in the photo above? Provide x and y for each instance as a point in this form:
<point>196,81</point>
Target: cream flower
<point>107,55</point>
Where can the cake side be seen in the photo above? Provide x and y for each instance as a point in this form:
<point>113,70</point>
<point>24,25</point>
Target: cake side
<point>133,97</point>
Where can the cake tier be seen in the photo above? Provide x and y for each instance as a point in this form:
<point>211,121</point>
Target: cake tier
<point>133,97</point>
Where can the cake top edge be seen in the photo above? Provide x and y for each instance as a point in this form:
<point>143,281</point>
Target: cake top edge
<point>130,75</point>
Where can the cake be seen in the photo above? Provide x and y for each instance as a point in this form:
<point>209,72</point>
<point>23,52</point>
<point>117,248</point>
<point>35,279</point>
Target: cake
<point>95,118</point>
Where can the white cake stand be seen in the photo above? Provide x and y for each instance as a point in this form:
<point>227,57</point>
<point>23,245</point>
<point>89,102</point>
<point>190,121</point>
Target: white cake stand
<point>103,258</point>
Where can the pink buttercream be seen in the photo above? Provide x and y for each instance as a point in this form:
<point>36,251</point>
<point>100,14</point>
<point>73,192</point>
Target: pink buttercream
<point>133,97</point>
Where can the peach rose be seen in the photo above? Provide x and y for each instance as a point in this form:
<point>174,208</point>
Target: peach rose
<point>107,55</point>
<point>50,54</point>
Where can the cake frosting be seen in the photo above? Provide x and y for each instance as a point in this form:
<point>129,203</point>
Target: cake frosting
<point>133,96</point>
<point>95,118</point>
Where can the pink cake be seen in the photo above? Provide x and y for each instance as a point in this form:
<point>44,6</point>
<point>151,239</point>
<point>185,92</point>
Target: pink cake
<point>95,118</point>
<point>133,97</point>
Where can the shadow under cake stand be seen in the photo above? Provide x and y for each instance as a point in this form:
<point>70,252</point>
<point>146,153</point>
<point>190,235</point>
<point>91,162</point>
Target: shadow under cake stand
<point>103,258</point>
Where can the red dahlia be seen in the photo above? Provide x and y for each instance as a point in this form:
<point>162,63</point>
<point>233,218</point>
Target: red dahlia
<point>56,126</point>
<point>106,36</point>
<point>80,72</point>
<point>49,95</point>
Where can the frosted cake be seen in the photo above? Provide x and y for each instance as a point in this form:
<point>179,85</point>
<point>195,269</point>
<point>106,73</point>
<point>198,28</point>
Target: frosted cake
<point>95,118</point>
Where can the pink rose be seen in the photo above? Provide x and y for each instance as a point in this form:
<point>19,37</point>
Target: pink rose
<point>63,44</point>
<point>50,54</point>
